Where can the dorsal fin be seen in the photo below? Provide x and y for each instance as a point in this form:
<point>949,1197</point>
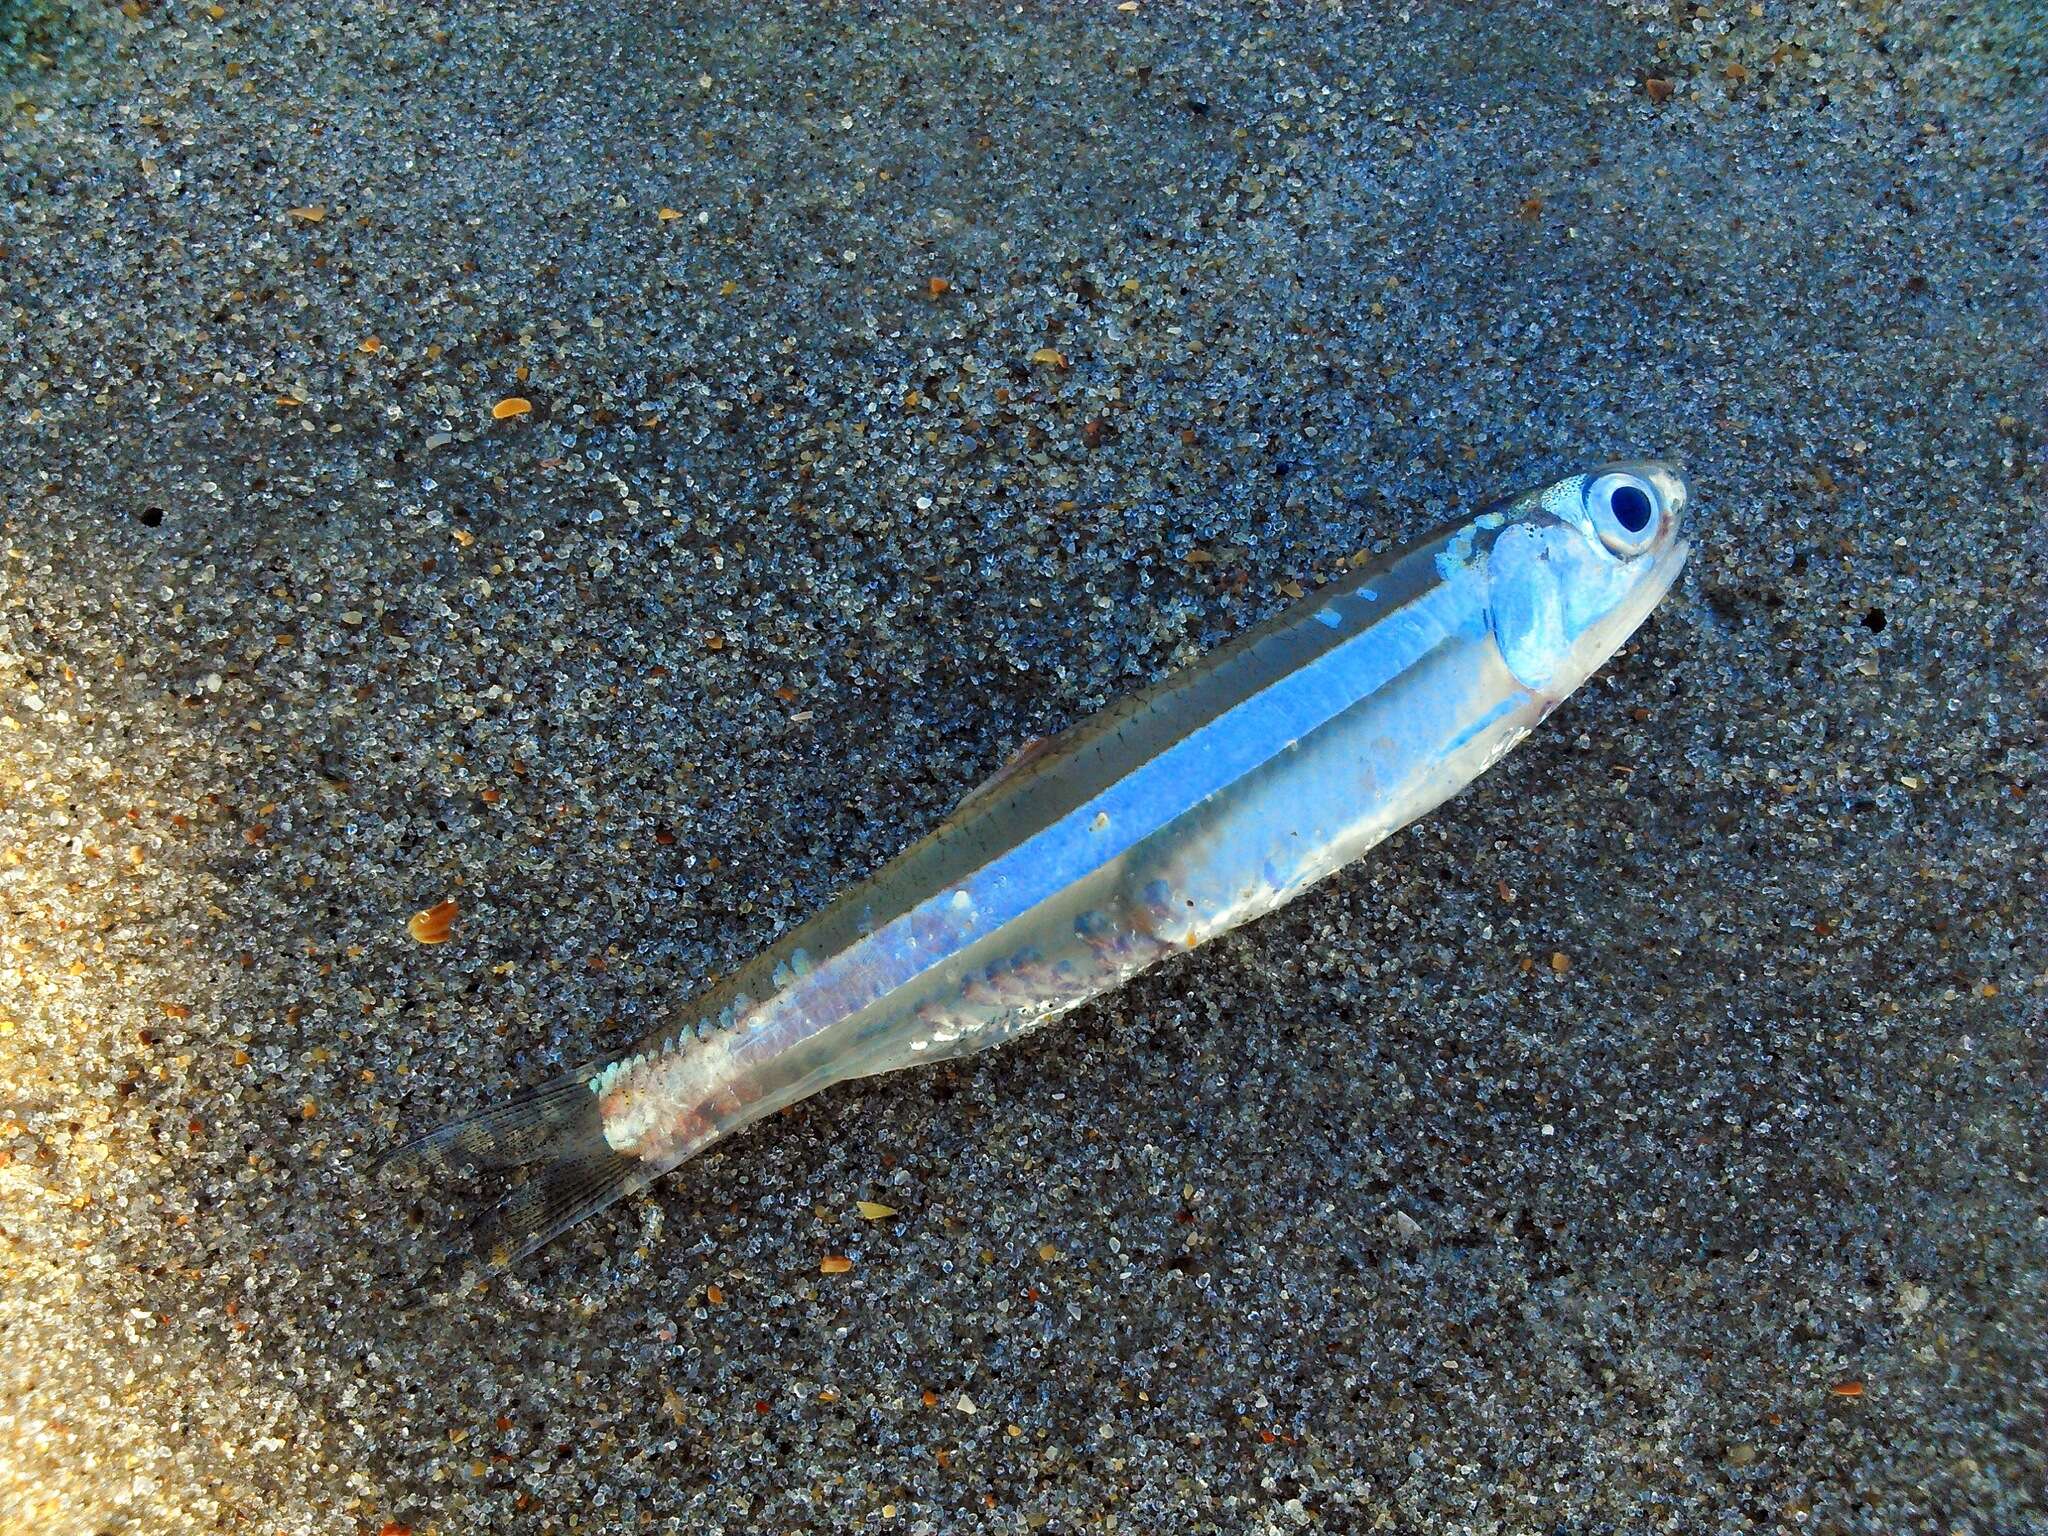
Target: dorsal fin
<point>1034,751</point>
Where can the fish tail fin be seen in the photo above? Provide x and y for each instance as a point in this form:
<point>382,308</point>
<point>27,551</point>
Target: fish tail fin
<point>555,1135</point>
<point>556,1117</point>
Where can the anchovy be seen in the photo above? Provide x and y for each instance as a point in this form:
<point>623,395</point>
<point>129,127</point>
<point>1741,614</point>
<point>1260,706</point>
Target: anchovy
<point>1166,819</point>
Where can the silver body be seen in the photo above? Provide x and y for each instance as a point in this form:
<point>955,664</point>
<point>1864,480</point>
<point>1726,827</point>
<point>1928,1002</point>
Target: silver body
<point>1170,817</point>
<point>1164,820</point>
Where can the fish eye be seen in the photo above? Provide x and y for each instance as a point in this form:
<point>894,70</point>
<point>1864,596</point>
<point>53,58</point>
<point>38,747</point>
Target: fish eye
<point>1624,509</point>
<point>1630,505</point>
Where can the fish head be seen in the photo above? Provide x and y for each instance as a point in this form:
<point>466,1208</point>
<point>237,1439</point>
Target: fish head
<point>1573,568</point>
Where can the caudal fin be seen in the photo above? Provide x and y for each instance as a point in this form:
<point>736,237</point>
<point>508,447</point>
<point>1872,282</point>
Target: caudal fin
<point>549,1167</point>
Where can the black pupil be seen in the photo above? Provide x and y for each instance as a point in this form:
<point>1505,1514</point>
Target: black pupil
<point>1631,507</point>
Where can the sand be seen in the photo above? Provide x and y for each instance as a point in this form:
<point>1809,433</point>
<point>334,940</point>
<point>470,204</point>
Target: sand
<point>1648,1141</point>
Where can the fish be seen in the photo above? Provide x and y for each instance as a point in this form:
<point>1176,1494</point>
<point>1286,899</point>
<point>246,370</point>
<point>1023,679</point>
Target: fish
<point>1174,815</point>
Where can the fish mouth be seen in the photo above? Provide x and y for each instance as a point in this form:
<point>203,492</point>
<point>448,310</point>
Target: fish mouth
<point>1660,574</point>
<point>1664,571</point>
<point>1652,575</point>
